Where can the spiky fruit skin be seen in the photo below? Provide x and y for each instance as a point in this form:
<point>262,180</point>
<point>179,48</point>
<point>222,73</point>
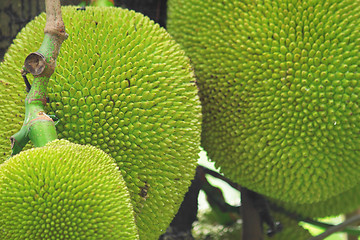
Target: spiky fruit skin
<point>290,229</point>
<point>343,203</point>
<point>64,191</point>
<point>121,84</point>
<point>279,83</point>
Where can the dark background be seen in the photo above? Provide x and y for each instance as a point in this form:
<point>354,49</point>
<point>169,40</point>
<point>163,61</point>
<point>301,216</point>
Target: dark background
<point>14,14</point>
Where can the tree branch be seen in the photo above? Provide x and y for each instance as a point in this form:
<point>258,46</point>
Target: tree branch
<point>337,228</point>
<point>252,224</point>
<point>259,204</point>
<point>219,176</point>
<point>353,231</point>
<point>39,127</point>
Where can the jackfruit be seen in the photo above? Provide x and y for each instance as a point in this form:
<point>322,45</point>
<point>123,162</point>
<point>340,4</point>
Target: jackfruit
<point>124,85</point>
<point>342,203</point>
<point>279,83</point>
<point>64,191</point>
<point>290,229</point>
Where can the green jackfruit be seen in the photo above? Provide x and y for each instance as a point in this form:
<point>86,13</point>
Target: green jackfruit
<point>279,83</point>
<point>343,203</point>
<point>291,230</point>
<point>121,84</point>
<point>64,191</point>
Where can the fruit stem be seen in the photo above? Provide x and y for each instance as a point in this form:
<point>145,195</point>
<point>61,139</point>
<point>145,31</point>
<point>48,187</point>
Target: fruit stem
<point>39,127</point>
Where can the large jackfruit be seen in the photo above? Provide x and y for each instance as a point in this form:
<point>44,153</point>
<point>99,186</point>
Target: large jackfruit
<point>279,83</point>
<point>121,84</point>
<point>64,191</point>
<point>343,203</point>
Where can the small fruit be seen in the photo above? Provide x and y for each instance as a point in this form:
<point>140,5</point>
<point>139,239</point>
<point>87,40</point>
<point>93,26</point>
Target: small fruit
<point>64,191</point>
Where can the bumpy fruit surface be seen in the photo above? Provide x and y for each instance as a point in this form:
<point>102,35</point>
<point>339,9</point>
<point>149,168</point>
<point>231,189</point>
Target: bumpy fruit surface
<point>290,229</point>
<point>121,84</point>
<point>64,191</point>
<point>343,203</point>
<point>279,83</point>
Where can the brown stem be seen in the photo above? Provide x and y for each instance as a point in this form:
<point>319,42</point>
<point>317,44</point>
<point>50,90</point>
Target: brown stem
<point>54,22</point>
<point>252,224</point>
<point>54,36</point>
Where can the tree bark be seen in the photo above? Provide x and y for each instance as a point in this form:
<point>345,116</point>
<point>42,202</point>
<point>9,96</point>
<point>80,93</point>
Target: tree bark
<point>252,223</point>
<point>14,14</point>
